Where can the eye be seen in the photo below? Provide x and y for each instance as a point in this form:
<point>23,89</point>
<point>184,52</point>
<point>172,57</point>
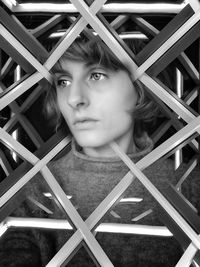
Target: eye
<point>96,76</point>
<point>63,83</point>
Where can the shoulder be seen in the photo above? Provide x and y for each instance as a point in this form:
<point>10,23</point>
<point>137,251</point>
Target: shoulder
<point>62,162</point>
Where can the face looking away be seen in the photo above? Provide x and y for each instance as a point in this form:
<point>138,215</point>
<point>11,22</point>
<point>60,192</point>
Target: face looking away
<point>97,104</point>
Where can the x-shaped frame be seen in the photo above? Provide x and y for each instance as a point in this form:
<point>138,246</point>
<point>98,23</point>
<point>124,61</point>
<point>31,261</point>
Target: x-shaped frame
<point>83,232</point>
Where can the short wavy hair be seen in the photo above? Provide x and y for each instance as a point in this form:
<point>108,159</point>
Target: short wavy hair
<point>97,52</point>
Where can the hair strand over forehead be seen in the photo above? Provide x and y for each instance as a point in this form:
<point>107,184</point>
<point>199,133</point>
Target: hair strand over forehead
<point>91,52</point>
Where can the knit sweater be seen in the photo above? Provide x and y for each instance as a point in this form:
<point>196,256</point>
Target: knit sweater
<point>88,181</point>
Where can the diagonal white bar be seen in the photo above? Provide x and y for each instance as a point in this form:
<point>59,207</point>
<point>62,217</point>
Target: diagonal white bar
<point>187,257</point>
<point>169,43</point>
<point>158,196</point>
<point>24,52</point>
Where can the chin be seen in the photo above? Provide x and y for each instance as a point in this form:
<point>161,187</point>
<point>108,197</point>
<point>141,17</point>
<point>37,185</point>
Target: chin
<point>91,141</point>
<point>88,143</point>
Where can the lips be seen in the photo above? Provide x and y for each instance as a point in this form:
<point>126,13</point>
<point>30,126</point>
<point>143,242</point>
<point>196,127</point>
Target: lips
<point>84,123</point>
<point>83,120</point>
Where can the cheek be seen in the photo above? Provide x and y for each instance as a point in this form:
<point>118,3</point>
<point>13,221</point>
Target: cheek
<point>118,117</point>
<point>124,105</point>
<point>126,96</point>
<point>130,99</point>
<point>63,107</point>
<point>60,103</point>
<point>60,99</point>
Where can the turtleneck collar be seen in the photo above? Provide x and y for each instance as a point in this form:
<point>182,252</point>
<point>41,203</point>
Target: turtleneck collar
<point>84,161</point>
<point>80,164</point>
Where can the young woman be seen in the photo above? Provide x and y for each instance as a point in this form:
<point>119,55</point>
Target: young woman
<point>93,92</point>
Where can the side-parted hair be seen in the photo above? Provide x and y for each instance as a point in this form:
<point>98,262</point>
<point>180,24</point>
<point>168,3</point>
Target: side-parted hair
<point>96,52</point>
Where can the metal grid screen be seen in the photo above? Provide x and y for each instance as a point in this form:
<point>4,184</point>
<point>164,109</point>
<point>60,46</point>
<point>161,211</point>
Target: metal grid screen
<point>24,27</point>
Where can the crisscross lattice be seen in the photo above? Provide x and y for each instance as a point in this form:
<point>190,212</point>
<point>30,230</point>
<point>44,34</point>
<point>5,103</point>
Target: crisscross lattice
<point>167,45</point>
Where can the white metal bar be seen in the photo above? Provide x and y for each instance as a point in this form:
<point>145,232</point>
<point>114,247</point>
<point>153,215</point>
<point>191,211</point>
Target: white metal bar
<point>36,32</point>
<point>139,8</point>
<point>193,164</point>
<point>190,65</point>
<point>88,237</point>
<point>120,20</point>
<point>173,141</point>
<point>179,83</point>
<point>147,24</point>
<point>44,27</point>
<point>37,140</point>
<point>40,205</point>
<point>41,223</point>
<point>30,130</point>
<point>192,95</point>
<point>188,256</point>
<point>24,52</point>
<point>19,89</point>
<point>92,220</point>
<point>31,98</point>
<point>56,224</point>
<point>6,67</point>
<point>135,229</point>
<point>3,228</point>
<point>182,57</point>
<point>144,8</point>
<point>177,107</point>
<point>169,43</point>
<point>5,163</point>
<point>9,3</point>
<point>105,34</point>
<point>194,4</point>
<point>33,171</point>
<point>17,116</point>
<point>71,35</point>
<point>142,215</point>
<point>179,91</point>
<point>125,35</point>
<point>10,124</point>
<point>17,147</point>
<point>160,131</point>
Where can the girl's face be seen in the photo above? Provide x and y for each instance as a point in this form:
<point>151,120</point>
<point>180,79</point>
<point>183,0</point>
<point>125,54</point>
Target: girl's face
<point>97,105</point>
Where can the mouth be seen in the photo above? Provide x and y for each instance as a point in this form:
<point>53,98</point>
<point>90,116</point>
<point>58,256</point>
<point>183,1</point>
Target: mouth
<point>84,123</point>
<point>83,120</point>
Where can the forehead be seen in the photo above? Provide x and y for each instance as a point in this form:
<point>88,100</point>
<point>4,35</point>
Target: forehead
<point>73,66</point>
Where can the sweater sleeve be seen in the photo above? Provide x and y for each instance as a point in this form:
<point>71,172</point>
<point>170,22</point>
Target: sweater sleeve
<point>27,247</point>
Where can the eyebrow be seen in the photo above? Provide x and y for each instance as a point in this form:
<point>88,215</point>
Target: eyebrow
<point>62,72</point>
<point>94,66</point>
<point>89,66</point>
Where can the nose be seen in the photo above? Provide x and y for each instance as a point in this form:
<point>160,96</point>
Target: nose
<point>78,95</point>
